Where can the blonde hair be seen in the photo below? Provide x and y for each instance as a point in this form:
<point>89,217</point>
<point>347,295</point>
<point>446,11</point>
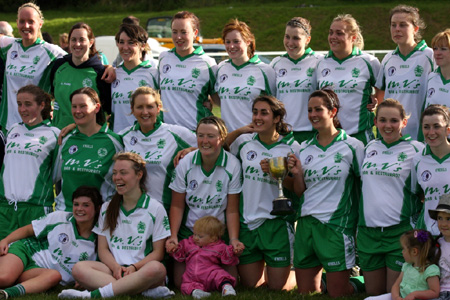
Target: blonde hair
<point>37,9</point>
<point>441,39</point>
<point>211,226</point>
<point>353,29</point>
<point>145,90</point>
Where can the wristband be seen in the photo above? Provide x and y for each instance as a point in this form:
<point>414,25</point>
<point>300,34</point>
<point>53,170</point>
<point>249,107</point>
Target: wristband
<point>134,266</point>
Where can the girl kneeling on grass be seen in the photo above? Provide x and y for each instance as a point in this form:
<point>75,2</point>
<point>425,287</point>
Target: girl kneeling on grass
<point>132,230</point>
<point>49,247</point>
<point>204,254</point>
<point>419,278</point>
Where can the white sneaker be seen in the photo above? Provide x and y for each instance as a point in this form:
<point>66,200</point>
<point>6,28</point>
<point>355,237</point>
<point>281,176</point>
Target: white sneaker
<point>198,294</point>
<point>228,290</point>
<point>3,295</point>
<point>69,294</point>
<point>158,292</point>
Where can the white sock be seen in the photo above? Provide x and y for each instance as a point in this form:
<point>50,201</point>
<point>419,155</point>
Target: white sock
<point>106,291</point>
<point>69,294</point>
<point>197,294</point>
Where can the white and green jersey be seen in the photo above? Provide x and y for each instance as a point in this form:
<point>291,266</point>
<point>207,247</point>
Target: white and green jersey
<point>136,230</point>
<point>387,184</point>
<point>83,160</point>
<point>58,245</point>
<point>238,86</point>
<point>295,81</point>
<point>404,78</point>
<point>432,174</point>
<point>259,189</point>
<point>352,80</point>
<point>330,173</point>
<point>24,65</point>
<point>185,84</point>
<point>206,192</point>
<point>127,81</point>
<point>27,167</point>
<point>438,89</point>
<point>158,148</point>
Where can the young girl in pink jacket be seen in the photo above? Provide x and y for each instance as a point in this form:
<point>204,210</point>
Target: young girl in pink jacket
<point>204,253</point>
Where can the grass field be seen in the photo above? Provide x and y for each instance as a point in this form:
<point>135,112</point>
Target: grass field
<point>267,19</point>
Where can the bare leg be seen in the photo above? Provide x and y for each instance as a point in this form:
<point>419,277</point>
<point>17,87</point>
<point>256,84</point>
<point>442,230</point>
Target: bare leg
<point>39,280</point>
<point>277,277</point>
<point>375,282</point>
<point>338,284</point>
<point>92,274</point>
<point>291,281</point>
<point>233,272</point>
<point>308,280</point>
<point>11,267</point>
<point>178,271</point>
<point>391,277</point>
<point>252,274</point>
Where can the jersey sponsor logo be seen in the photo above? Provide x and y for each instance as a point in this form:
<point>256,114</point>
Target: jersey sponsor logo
<point>223,78</point>
<point>356,72</point>
<point>282,72</point>
<point>193,184</point>
<point>115,83</point>
<point>219,185</point>
<point>14,55</point>
<point>141,227</point>
<point>418,71</point>
<point>430,92</point>
<point>161,143</point>
<point>87,82</point>
<point>142,82</point>
<point>310,72</point>
<point>391,71</point>
<point>372,153</point>
<point>102,152</point>
<point>83,256</point>
<point>43,140</point>
<point>36,59</point>
<point>426,175</point>
<point>73,149</point>
<point>133,140</point>
<point>63,238</point>
<point>325,72</point>
<point>308,159</point>
<point>195,72</point>
<point>251,80</point>
<point>166,68</point>
<point>338,157</point>
<point>14,135</point>
<point>402,156</point>
<point>251,155</point>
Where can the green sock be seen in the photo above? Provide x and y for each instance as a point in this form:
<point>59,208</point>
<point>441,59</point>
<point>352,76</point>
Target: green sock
<point>358,284</point>
<point>96,294</point>
<point>14,291</point>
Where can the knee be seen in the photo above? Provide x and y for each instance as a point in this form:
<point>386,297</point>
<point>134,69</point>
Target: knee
<point>6,280</point>
<point>78,271</point>
<point>54,277</point>
<point>154,270</point>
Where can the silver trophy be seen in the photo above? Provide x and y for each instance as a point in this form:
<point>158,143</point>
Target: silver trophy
<point>278,169</point>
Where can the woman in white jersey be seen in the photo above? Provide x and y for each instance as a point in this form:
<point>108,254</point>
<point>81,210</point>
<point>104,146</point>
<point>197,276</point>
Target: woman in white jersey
<point>26,188</point>
<point>241,78</point>
<point>85,155</point>
<point>268,239</point>
<point>206,183</point>
<point>42,253</point>
<point>432,165</point>
<point>325,177</point>
<point>388,206</point>
<point>186,74</point>
<point>157,142</point>
<point>134,72</point>
<point>404,71</point>
<point>352,75</point>
<point>132,229</point>
<point>27,60</point>
<point>81,68</point>
<point>296,76</point>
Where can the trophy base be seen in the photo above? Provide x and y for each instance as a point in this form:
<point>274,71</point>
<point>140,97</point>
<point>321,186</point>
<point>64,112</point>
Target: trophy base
<point>282,207</point>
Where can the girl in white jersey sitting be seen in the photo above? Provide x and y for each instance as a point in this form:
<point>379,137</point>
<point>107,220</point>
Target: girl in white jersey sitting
<point>352,74</point>
<point>325,177</point>
<point>42,254</point>
<point>207,182</point>
<point>388,207</point>
<point>268,239</point>
<point>26,188</point>
<point>405,70</point>
<point>156,142</point>
<point>132,229</point>
<point>28,60</point>
<point>241,78</point>
<point>432,165</point>
<point>134,72</point>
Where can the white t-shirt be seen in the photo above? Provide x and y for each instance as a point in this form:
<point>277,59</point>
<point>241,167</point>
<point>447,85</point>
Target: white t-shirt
<point>444,264</point>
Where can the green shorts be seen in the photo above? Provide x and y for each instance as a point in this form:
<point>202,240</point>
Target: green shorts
<point>380,247</point>
<point>364,136</point>
<point>11,219</point>
<point>317,244</point>
<point>20,250</point>
<point>301,136</point>
<point>271,242</point>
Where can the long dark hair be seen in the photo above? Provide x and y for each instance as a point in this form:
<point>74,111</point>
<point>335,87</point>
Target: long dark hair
<point>330,101</point>
<point>92,94</point>
<point>93,194</point>
<point>80,25</point>
<point>278,109</point>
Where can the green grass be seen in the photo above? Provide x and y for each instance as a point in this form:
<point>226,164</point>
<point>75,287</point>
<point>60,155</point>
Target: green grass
<point>267,20</point>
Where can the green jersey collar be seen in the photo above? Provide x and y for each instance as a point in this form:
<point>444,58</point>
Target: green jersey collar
<point>288,139</point>
<point>254,60</point>
<point>341,136</point>
<point>37,42</point>
<point>221,159</point>
<point>144,64</point>
<point>91,238</point>
<point>444,81</point>
<point>439,160</point>
<point>401,139</point>
<point>46,122</point>
<point>103,129</point>
<point>308,52</point>
<point>355,52</point>
<point>421,46</point>
<point>137,127</point>
<point>142,202</point>
<point>198,50</point>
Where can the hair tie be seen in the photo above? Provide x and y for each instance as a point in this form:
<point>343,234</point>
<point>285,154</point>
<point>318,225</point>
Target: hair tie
<point>421,236</point>
<point>437,245</point>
